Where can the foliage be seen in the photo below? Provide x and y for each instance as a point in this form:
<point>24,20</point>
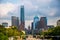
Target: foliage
<point>3,37</point>
<point>1,26</point>
<point>9,32</point>
<point>52,31</point>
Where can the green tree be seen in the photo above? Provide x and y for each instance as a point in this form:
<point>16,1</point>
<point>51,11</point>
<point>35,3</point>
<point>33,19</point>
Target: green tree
<point>3,37</point>
<point>10,32</point>
<point>52,31</point>
<point>1,26</point>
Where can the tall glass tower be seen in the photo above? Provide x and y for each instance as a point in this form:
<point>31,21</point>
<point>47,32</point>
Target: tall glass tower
<point>22,14</point>
<point>22,20</point>
<point>36,19</point>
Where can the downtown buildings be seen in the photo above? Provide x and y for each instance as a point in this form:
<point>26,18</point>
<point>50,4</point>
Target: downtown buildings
<point>39,25</point>
<point>15,20</point>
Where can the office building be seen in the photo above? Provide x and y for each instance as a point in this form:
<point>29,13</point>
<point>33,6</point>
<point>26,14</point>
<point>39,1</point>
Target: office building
<point>36,19</point>
<point>58,23</point>
<point>43,23</point>
<point>39,25</point>
<point>22,20</point>
<point>5,24</point>
<point>32,26</point>
<point>15,21</point>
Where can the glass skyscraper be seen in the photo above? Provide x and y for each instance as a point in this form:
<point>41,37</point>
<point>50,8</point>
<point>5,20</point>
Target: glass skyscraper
<point>22,14</point>
<point>22,20</point>
<point>36,19</point>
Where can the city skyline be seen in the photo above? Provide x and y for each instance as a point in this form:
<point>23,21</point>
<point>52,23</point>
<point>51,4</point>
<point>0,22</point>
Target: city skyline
<point>47,8</point>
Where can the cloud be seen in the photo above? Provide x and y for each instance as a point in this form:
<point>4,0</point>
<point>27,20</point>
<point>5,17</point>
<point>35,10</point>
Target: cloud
<point>44,1</point>
<point>6,8</point>
<point>48,12</point>
<point>48,8</point>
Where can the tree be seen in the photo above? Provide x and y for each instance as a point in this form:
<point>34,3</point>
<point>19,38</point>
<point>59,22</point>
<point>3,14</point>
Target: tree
<point>52,31</point>
<point>3,37</point>
<point>9,32</point>
<point>56,31</point>
<point>1,26</point>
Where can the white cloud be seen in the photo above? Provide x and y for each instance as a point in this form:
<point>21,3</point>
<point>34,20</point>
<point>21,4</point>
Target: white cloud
<point>29,5</point>
<point>5,8</point>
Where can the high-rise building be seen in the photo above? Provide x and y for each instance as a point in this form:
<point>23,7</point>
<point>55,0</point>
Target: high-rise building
<point>5,24</point>
<point>36,19</point>
<point>15,21</point>
<point>22,14</point>
<point>58,23</point>
<point>32,26</point>
<point>43,23</point>
<point>38,26</point>
<point>22,20</point>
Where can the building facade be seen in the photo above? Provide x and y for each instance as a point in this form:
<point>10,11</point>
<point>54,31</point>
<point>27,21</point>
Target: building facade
<point>15,21</point>
<point>22,19</point>
<point>58,23</point>
<point>5,24</point>
<point>43,23</point>
<point>36,19</point>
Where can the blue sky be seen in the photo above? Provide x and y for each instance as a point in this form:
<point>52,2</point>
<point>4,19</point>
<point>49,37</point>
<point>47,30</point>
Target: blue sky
<point>48,8</point>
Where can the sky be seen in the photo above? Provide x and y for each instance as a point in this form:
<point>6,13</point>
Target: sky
<point>46,8</point>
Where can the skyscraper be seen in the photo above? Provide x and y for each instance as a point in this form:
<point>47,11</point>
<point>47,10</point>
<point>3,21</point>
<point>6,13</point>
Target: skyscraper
<point>15,21</point>
<point>43,23</point>
<point>36,19</point>
<point>22,14</point>
<point>32,26</point>
<point>22,20</point>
